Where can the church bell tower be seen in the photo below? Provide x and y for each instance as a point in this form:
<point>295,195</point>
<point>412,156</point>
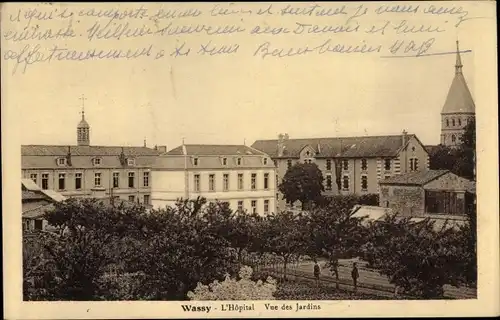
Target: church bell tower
<point>83,128</point>
<point>459,108</point>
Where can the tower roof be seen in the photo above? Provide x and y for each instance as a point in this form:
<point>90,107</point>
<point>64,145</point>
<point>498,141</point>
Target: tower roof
<point>459,99</point>
<point>83,123</point>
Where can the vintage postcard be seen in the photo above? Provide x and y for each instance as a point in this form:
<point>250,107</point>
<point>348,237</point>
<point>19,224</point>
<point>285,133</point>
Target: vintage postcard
<point>271,159</point>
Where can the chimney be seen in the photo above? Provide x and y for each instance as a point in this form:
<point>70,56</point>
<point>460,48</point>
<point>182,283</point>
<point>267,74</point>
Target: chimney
<point>405,137</point>
<point>162,149</point>
<point>145,145</point>
<point>123,160</point>
<point>281,144</point>
<point>68,156</point>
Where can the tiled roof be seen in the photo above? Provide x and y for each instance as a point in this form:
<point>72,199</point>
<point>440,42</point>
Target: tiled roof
<point>415,178</point>
<point>80,162</point>
<point>177,162</point>
<point>215,150</point>
<point>348,147</point>
<point>61,150</point>
<point>459,99</point>
<point>431,149</point>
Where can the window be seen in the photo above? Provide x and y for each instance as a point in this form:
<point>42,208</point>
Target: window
<point>387,177</point>
<point>364,183</point>
<point>289,164</point>
<point>78,181</point>
<point>96,161</point>
<point>116,179</point>
<point>453,138</point>
<point>131,198</point>
<point>240,206</point>
<point>145,179</point>
<point>328,164</point>
<point>413,164</point>
<point>131,162</point>
<point>38,224</point>
<point>97,179</point>
<point>266,181</point>
<point>387,164</point>
<point>211,182</point>
<point>33,177</point>
<point>61,161</point>
<point>224,161</point>
<point>195,161</point>
<point>275,163</point>
<point>45,181</point>
<point>345,165</point>
<point>238,161</point>
<point>308,161</point>
<point>266,206</point>
<point>308,153</point>
<point>254,181</point>
<point>131,178</point>
<point>459,122</point>
<point>345,182</point>
<point>364,164</point>
<point>254,206</point>
<point>329,182</point>
<point>277,196</point>
<point>196,183</point>
<point>240,181</point>
<point>146,199</point>
<point>225,181</point>
<point>265,161</point>
<point>452,122</point>
<point>447,122</point>
<point>62,181</point>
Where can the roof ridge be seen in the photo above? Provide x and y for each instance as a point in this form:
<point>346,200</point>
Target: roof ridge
<point>343,137</point>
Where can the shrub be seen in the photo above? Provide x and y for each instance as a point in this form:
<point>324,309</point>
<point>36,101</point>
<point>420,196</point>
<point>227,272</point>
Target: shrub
<point>232,289</point>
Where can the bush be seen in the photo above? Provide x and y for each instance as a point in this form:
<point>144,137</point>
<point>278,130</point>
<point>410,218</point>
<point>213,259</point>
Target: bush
<point>232,289</point>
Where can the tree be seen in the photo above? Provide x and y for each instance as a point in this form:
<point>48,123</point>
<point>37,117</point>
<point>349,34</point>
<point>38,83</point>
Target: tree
<point>459,160</point>
<point>88,241</point>
<point>283,234</point>
<point>417,257</point>
<point>334,233</point>
<point>303,182</point>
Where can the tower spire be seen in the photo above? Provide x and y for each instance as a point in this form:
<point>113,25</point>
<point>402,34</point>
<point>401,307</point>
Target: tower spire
<point>458,64</point>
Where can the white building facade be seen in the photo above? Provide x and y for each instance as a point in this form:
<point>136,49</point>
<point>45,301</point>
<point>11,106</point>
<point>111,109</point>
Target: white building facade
<point>239,175</point>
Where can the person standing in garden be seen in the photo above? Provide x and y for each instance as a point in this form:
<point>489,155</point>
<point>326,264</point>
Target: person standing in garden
<point>355,275</point>
<point>317,272</point>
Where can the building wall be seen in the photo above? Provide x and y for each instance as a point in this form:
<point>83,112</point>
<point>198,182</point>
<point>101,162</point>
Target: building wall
<point>170,185</point>
<point>88,188</point>
<point>414,150</point>
<point>453,125</point>
<point>404,200</point>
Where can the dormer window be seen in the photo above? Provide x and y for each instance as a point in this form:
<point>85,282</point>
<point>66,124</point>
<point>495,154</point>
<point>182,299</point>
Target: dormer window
<point>131,162</point>
<point>96,161</point>
<point>238,161</point>
<point>195,161</point>
<point>61,161</point>
<point>224,161</point>
<point>265,161</point>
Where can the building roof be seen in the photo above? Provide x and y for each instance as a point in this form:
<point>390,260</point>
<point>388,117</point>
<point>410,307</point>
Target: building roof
<point>215,150</point>
<point>32,195</point>
<point>28,184</point>
<point>62,150</point>
<point>418,178</point>
<point>83,123</point>
<point>346,147</point>
<point>430,149</point>
<point>459,99</point>
<point>371,213</point>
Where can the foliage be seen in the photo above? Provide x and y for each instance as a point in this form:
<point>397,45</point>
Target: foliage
<point>232,289</point>
<point>333,232</point>
<point>302,182</point>
<point>415,256</point>
<point>459,160</point>
<point>284,236</point>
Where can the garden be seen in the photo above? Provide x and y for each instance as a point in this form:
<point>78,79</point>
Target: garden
<point>205,251</point>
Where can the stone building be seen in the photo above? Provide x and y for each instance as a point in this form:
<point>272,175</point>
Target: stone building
<point>432,192</point>
<point>350,165</point>
<point>84,170</point>
<point>459,108</point>
<point>237,174</point>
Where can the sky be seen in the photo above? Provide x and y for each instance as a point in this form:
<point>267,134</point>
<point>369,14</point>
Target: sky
<point>229,99</point>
